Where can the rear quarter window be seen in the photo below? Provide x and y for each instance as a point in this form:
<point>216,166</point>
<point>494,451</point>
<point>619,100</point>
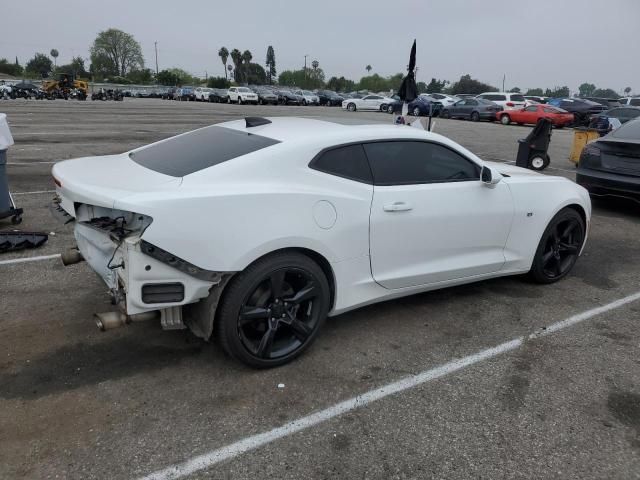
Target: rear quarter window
<point>197,150</point>
<point>349,162</point>
<point>517,98</point>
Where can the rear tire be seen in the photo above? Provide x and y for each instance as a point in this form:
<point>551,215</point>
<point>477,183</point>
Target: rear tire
<point>445,114</point>
<point>559,247</point>
<point>272,311</point>
<point>475,117</point>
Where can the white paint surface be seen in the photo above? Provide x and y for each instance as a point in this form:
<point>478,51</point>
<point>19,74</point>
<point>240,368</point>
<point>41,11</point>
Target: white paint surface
<point>29,259</point>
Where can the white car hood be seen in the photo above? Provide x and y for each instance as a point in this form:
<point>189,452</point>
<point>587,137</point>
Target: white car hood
<point>512,170</point>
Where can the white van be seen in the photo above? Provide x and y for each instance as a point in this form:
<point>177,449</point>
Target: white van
<point>507,100</point>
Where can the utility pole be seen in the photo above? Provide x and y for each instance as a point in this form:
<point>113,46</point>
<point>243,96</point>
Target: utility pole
<point>504,76</point>
<point>156,45</point>
<point>305,69</point>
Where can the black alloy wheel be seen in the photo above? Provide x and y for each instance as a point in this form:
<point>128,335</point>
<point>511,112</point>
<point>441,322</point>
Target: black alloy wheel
<point>272,311</point>
<point>559,247</point>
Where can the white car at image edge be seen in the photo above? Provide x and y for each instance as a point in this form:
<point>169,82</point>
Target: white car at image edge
<point>255,230</point>
<point>368,102</point>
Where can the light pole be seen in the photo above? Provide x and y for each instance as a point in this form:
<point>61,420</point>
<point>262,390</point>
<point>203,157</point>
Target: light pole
<point>305,70</point>
<point>156,46</point>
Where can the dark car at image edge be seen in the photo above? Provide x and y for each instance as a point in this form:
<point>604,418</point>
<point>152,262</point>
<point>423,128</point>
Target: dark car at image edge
<point>611,165</point>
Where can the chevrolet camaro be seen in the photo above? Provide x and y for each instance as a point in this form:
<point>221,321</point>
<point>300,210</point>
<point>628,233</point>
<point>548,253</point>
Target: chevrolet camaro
<point>253,231</point>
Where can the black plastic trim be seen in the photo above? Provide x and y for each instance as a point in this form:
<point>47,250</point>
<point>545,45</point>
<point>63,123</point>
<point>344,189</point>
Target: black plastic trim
<point>178,263</point>
<point>162,292</point>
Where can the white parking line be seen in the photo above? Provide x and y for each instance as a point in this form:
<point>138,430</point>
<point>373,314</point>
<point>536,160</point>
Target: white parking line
<point>36,192</point>
<point>247,444</point>
<point>28,259</point>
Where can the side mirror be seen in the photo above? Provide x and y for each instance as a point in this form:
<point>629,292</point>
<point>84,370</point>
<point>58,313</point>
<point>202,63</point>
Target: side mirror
<point>488,178</point>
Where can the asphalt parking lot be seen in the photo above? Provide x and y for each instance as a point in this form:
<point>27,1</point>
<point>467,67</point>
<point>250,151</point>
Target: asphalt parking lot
<point>79,403</point>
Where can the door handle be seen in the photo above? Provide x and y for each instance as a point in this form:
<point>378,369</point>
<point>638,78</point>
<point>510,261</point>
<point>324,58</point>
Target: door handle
<point>397,207</point>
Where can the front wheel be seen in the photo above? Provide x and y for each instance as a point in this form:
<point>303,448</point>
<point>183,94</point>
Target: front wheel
<point>351,107</point>
<point>445,114</point>
<point>475,117</point>
<point>416,112</point>
<point>272,311</point>
<point>559,247</point>
<point>505,119</point>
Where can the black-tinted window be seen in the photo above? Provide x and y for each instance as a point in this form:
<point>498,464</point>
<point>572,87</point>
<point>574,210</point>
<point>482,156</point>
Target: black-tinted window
<point>347,162</point>
<point>406,162</point>
<point>494,97</point>
<point>532,108</point>
<point>517,98</point>
<point>471,102</point>
<point>197,150</point>
<point>635,102</point>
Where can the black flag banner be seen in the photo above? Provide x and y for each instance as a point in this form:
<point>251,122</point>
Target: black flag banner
<point>408,90</point>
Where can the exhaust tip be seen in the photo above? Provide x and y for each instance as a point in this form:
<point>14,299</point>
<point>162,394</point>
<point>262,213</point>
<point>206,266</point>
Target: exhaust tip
<point>110,320</point>
<point>71,257</point>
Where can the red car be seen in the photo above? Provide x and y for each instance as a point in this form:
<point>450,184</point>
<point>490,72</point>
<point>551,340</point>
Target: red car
<point>559,117</point>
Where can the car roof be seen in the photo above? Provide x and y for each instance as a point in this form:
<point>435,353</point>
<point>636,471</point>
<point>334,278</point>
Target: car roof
<point>294,130</point>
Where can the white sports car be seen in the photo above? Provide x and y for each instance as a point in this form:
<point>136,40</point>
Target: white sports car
<point>255,230</point>
<point>368,102</point>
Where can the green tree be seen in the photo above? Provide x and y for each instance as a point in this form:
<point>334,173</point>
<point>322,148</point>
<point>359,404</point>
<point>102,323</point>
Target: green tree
<point>315,64</point>
<point>309,78</point>
<point>422,87</point>
<point>76,67</point>
<point>117,52</point>
<point>144,76</point>
<point>466,84</point>
<point>627,90</point>
<point>54,53</point>
<point>536,92</point>
<point>176,77</point>
<point>341,84</point>
<point>557,92</point>
<point>515,90</point>
<point>605,93</point>
<point>436,86</point>
<point>218,82</point>
<point>586,89</point>
<point>247,57</point>
<point>271,64</point>
<point>13,69</point>
<point>223,53</point>
<point>254,73</point>
<point>368,68</point>
<point>39,66</point>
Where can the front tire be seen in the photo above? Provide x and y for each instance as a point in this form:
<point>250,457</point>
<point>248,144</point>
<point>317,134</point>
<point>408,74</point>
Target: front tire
<point>475,117</point>
<point>351,107</point>
<point>559,247</point>
<point>505,119</point>
<point>272,311</point>
<point>445,114</point>
<point>416,112</point>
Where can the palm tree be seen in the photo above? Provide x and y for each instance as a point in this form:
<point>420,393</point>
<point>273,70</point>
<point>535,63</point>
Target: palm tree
<point>247,57</point>
<point>54,53</point>
<point>236,58</point>
<point>627,91</point>
<point>315,64</point>
<point>368,68</point>
<point>223,53</point>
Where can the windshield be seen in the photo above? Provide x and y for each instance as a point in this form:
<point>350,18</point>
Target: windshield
<point>628,131</point>
<point>307,92</point>
<point>244,90</point>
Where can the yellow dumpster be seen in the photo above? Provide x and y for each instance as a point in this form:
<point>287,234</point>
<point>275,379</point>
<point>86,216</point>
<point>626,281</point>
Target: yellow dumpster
<point>581,137</point>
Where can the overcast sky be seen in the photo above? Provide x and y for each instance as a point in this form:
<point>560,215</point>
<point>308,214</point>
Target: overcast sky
<point>541,43</point>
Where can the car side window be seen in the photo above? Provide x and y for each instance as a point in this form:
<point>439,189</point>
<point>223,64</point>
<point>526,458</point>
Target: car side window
<point>471,102</point>
<point>414,162</point>
<point>531,109</point>
<point>346,162</point>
